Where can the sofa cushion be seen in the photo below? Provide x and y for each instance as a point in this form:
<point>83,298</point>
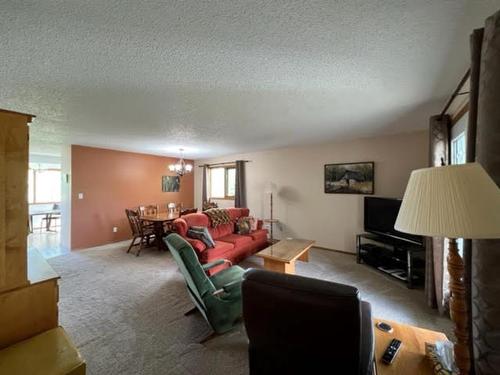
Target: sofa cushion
<point>180,226</point>
<point>238,240</point>
<point>258,235</point>
<point>243,225</point>
<point>221,230</point>
<point>222,250</point>
<point>196,220</point>
<point>202,234</point>
<point>198,245</point>
<point>234,213</point>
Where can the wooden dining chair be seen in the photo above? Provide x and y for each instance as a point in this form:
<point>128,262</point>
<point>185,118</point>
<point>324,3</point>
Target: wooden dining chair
<point>152,209</point>
<point>139,231</point>
<point>51,217</point>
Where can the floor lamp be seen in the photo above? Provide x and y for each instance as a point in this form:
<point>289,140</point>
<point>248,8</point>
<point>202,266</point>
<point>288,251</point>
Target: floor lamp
<point>455,201</point>
<point>269,189</point>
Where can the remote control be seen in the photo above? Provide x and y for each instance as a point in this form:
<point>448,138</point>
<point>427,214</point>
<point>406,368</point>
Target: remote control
<point>391,351</point>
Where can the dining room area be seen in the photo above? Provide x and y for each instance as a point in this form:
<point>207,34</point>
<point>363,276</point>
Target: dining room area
<point>44,205</point>
<point>149,224</point>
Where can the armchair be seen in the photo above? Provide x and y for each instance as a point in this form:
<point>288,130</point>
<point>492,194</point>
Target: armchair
<point>299,325</point>
<point>217,297</point>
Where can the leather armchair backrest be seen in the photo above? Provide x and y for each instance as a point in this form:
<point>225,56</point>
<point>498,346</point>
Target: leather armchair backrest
<point>301,325</point>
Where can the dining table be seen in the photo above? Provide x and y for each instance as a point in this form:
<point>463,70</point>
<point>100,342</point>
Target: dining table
<point>49,214</point>
<point>160,221</point>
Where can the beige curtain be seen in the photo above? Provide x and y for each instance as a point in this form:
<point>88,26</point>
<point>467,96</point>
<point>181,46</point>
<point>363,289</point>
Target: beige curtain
<point>240,194</point>
<point>204,195</point>
<point>483,275</point>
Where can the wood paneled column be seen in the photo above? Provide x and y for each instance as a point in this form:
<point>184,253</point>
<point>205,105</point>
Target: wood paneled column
<point>13,199</point>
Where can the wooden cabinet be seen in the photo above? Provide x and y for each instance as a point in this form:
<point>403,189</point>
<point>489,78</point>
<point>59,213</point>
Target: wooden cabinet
<point>13,198</point>
<point>28,285</point>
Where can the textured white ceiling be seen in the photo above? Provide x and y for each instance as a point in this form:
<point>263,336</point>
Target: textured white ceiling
<point>218,77</point>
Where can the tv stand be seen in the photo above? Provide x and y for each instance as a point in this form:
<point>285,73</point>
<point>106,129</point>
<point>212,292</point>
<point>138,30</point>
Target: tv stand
<point>397,257</point>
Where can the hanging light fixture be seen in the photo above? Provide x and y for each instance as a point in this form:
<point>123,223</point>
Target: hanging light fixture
<point>181,168</point>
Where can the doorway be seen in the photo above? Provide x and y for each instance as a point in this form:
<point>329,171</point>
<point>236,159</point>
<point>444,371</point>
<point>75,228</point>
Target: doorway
<point>44,205</point>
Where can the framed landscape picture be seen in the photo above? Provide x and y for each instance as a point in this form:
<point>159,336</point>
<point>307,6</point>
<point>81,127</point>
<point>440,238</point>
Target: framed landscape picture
<point>170,184</point>
<point>349,178</point>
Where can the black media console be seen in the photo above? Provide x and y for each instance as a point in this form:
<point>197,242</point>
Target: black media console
<point>401,258</point>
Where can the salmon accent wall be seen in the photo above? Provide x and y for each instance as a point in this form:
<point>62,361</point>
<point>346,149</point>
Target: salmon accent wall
<point>112,181</point>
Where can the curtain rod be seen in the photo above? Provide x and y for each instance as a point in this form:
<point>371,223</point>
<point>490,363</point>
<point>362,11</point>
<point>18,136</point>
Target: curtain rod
<point>456,92</point>
<point>223,163</point>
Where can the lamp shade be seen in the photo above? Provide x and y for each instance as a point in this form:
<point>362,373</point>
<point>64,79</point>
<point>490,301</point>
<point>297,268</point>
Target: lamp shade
<point>455,201</point>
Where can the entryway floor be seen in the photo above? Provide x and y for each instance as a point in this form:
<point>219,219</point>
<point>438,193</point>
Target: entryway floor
<point>46,243</point>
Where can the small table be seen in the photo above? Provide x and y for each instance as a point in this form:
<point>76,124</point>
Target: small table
<point>281,256</point>
<point>158,221</point>
<point>411,359</point>
<point>42,212</point>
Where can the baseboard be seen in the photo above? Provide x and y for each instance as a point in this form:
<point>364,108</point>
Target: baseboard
<point>105,246</point>
<point>335,250</point>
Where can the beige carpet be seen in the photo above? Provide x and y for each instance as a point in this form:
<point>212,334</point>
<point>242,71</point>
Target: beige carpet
<point>126,314</point>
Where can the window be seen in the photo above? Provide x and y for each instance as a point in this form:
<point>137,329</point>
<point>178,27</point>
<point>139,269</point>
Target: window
<point>458,148</point>
<point>457,155</point>
<point>222,182</point>
<point>44,185</point>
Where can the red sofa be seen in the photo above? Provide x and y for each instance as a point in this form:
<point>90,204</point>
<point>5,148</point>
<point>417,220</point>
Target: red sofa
<point>228,245</point>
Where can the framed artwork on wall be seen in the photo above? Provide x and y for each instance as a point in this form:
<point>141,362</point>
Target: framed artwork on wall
<point>350,178</point>
<point>170,184</point>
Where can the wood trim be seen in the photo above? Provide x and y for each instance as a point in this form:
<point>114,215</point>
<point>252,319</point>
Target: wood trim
<point>215,165</point>
<point>227,166</point>
<point>30,117</point>
<point>456,92</point>
<point>3,201</point>
<point>459,114</point>
<point>28,311</point>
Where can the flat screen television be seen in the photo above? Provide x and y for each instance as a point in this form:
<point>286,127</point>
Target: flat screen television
<point>380,217</point>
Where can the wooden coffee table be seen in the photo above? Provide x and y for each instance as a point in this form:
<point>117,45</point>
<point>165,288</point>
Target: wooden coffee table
<point>281,256</point>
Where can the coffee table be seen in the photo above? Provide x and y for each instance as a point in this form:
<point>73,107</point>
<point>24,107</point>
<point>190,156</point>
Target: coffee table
<point>281,256</point>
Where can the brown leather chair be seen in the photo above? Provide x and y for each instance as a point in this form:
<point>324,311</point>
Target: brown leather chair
<point>299,325</point>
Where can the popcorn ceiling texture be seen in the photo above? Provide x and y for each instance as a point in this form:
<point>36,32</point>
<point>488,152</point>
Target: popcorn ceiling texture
<point>220,77</point>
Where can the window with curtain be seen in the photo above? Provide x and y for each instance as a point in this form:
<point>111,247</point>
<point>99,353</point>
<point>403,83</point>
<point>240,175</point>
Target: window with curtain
<point>458,148</point>
<point>222,182</point>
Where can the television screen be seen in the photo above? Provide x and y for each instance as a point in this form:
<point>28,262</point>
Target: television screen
<point>380,217</point>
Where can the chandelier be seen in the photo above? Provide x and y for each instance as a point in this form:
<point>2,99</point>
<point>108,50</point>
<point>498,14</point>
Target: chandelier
<point>181,168</point>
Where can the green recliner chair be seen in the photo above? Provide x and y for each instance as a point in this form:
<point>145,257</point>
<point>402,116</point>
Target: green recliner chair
<point>217,297</point>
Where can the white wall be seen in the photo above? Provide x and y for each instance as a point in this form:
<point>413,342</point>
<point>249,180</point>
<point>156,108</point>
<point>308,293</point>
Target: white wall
<point>66,197</point>
<point>300,202</point>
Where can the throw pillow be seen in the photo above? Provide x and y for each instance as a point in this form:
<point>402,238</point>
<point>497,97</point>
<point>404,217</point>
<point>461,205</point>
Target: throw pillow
<point>218,216</point>
<point>202,234</point>
<point>253,223</point>
<point>243,225</point>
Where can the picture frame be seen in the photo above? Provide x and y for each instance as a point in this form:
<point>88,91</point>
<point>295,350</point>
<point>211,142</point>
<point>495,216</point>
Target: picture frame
<point>170,184</point>
<point>350,178</point>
